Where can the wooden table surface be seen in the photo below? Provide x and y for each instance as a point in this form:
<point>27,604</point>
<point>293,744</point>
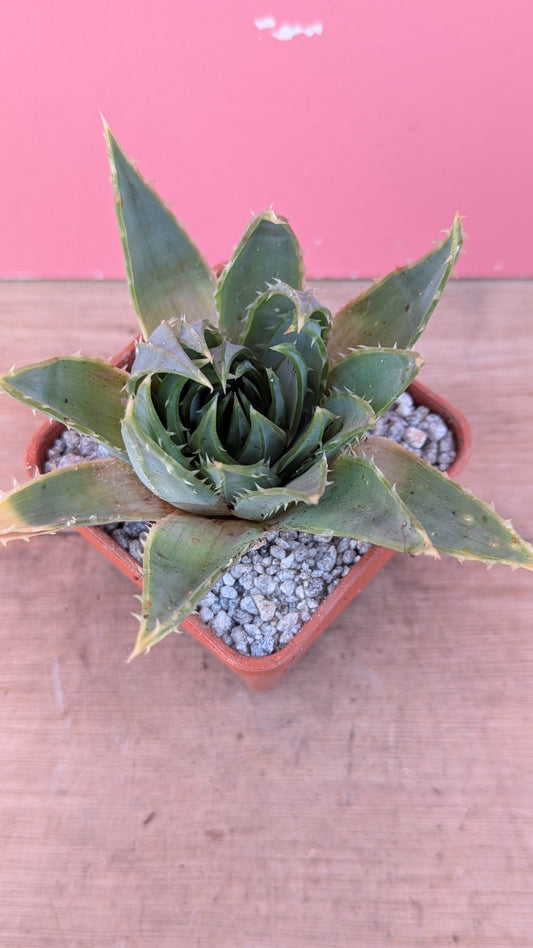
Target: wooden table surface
<point>381,795</point>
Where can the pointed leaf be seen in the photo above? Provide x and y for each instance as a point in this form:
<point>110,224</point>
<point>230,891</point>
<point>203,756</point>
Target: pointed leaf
<point>306,445</point>
<point>311,347</point>
<point>94,492</point>
<point>283,310</point>
<point>85,394</point>
<point>163,353</point>
<point>310,351</point>
<point>355,417</point>
<point>223,357</point>
<point>396,310</point>
<point>191,335</point>
<point>166,476</point>
<point>456,522</point>
<point>360,503</point>
<point>307,488</point>
<point>167,399</point>
<point>192,401</point>
<point>166,273</point>
<point>268,315</point>
<point>205,440</point>
<point>235,423</point>
<point>265,440</point>
<point>183,558</point>
<point>276,411</point>
<point>230,480</point>
<point>292,374</point>
<point>377,375</point>
<point>147,419</point>
<point>268,251</point>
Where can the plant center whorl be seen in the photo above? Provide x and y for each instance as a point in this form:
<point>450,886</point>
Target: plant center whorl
<point>244,416</point>
<point>231,401</point>
<point>240,420</point>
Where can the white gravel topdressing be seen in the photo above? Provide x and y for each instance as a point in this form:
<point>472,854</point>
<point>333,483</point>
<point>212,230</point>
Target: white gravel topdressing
<point>260,603</point>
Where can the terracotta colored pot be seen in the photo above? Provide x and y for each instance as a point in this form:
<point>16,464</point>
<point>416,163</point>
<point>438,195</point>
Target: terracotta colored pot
<point>260,674</point>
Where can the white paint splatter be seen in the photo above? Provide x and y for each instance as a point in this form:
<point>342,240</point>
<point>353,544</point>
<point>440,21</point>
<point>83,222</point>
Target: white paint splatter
<point>265,23</point>
<point>287,31</point>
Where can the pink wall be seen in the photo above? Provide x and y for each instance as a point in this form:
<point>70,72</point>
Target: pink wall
<point>368,133</point>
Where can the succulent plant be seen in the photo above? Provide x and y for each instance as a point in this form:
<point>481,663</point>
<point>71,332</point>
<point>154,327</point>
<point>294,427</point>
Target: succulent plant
<point>246,407</point>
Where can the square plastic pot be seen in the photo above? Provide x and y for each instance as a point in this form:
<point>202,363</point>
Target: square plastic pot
<point>263,673</point>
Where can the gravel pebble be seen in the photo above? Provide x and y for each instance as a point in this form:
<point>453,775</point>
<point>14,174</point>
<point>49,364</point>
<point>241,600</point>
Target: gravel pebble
<point>228,592</point>
<point>289,622</point>
<point>435,426</point>
<point>415,437</point>
<point>221,623</point>
<point>265,584</point>
<point>265,607</point>
<point>240,640</point>
<point>405,405</point>
<point>248,604</point>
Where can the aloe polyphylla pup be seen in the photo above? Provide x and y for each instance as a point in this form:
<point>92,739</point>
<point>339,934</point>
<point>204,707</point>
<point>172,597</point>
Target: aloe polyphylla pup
<point>246,407</point>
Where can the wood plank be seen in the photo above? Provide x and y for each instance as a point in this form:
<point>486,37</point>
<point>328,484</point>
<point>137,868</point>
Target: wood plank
<point>381,795</point>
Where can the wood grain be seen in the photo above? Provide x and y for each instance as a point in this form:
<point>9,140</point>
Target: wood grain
<point>381,795</point>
